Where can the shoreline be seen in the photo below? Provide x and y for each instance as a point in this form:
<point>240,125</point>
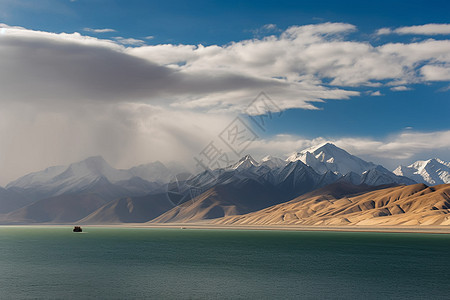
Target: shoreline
<point>376,229</point>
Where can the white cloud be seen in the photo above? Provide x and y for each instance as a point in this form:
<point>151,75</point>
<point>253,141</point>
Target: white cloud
<point>376,93</point>
<point>383,31</point>
<point>129,41</point>
<point>290,67</point>
<point>308,54</point>
<point>400,88</point>
<point>436,72</point>
<point>427,29</point>
<point>100,30</point>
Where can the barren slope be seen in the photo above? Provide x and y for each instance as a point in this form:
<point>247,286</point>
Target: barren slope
<point>402,205</point>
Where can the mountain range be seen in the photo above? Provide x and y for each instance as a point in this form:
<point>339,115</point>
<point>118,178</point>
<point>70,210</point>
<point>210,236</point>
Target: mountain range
<point>93,192</point>
<point>432,172</point>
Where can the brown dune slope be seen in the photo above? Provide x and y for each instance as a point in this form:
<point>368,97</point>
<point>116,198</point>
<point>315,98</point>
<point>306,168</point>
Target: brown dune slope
<point>223,201</point>
<point>402,205</point>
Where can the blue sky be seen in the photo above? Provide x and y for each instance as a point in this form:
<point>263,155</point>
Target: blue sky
<point>351,99</point>
<point>214,22</point>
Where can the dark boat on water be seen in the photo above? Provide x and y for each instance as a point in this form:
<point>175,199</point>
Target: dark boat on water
<point>77,229</point>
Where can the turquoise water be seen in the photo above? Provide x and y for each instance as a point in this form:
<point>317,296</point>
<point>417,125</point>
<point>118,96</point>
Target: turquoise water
<point>119,263</point>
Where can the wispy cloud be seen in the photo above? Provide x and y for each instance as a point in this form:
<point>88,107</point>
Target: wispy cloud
<point>376,93</point>
<point>427,29</point>
<point>265,30</point>
<point>101,30</point>
<point>400,88</point>
<point>129,41</point>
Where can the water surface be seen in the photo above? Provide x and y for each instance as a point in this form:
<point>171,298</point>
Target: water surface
<point>118,263</point>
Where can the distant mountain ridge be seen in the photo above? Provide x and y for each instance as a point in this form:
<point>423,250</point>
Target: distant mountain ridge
<point>93,167</point>
<point>433,171</point>
<point>329,158</point>
<point>327,164</point>
<point>77,176</point>
<point>155,191</point>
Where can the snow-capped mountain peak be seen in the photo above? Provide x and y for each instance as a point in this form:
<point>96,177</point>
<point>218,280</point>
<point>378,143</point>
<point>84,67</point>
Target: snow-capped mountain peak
<point>431,172</point>
<point>245,163</point>
<point>328,157</point>
<point>93,167</point>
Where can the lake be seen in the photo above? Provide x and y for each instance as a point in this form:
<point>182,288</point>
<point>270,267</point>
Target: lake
<point>124,263</point>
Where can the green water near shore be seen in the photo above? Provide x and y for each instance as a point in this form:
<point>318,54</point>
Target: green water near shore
<point>124,263</point>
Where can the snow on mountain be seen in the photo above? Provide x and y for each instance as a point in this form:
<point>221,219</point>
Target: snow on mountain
<point>37,178</point>
<point>328,157</point>
<point>93,167</point>
<point>77,176</point>
<point>310,168</point>
<point>431,172</point>
<point>302,172</point>
<point>315,166</point>
<point>379,175</point>
<point>245,163</point>
<point>273,162</point>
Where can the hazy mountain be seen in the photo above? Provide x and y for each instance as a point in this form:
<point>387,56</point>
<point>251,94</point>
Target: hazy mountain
<point>67,207</point>
<point>155,171</point>
<point>140,187</point>
<point>433,171</point>
<point>11,200</point>
<point>130,210</point>
<point>77,176</point>
<point>37,178</point>
<point>335,205</point>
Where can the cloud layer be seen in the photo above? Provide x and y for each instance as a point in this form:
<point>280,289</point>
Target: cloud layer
<point>302,65</point>
<point>68,96</point>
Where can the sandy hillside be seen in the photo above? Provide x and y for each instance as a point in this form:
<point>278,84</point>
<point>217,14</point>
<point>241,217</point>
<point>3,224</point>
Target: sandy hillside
<point>402,205</point>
